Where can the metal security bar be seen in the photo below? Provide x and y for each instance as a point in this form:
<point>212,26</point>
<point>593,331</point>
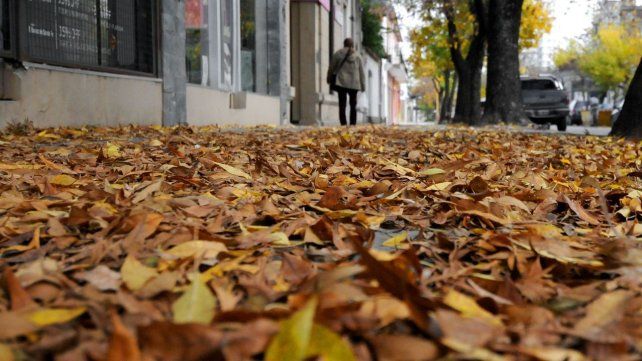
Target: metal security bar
<point>7,31</point>
<point>111,35</point>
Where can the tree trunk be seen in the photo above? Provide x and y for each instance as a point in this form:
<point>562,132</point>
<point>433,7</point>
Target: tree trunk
<point>468,69</point>
<point>446,97</point>
<point>468,106</point>
<point>629,123</point>
<point>503,87</point>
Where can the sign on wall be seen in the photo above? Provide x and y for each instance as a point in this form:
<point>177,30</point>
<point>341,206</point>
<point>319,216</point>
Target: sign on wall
<point>116,34</point>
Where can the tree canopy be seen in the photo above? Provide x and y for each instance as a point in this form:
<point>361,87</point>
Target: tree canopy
<point>431,57</point>
<point>609,58</point>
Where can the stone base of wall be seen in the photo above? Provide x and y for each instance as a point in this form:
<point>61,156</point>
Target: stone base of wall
<point>52,96</point>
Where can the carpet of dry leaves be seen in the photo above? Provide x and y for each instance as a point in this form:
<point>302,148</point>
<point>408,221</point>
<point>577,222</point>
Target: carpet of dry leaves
<point>369,244</point>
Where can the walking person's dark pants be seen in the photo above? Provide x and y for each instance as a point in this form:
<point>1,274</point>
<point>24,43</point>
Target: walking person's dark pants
<point>343,95</point>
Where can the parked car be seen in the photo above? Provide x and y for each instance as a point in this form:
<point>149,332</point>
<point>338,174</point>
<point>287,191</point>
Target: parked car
<point>577,107</point>
<point>545,101</point>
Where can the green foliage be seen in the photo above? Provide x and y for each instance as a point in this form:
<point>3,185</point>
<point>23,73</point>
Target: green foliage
<point>610,58</point>
<point>371,28</point>
<point>431,56</point>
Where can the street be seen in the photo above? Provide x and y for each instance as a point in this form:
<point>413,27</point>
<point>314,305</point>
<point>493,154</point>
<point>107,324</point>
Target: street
<point>571,130</point>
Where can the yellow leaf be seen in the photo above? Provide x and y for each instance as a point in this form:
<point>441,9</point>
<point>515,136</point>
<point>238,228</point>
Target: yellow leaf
<point>52,316</point>
<point>546,230</point>
<point>279,239</point>
<point>372,222</point>
<point>430,171</point>
<point>439,186</point>
<point>135,274</point>
<point>205,249</point>
<point>4,166</point>
<point>111,151</point>
<point>469,308</point>
<point>398,241</point>
<point>62,180</point>
<point>234,171</point>
<point>553,353</point>
<point>328,345</point>
<point>196,305</point>
<point>291,343</point>
<point>343,213</point>
<point>155,143</point>
<point>471,352</point>
<point>6,353</point>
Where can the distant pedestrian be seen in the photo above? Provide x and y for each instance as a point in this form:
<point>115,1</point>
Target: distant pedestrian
<point>347,78</point>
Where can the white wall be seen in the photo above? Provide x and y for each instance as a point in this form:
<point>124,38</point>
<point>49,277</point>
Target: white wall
<point>52,96</point>
<point>206,106</point>
<point>372,99</point>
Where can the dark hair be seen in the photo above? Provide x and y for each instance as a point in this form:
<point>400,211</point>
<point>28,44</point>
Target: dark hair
<point>348,43</point>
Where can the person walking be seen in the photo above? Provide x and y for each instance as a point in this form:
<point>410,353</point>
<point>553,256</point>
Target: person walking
<point>346,77</point>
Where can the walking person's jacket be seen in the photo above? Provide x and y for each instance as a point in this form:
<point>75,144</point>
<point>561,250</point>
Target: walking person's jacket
<point>350,75</point>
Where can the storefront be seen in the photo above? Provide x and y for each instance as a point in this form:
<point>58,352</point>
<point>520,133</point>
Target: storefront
<point>233,55</point>
<point>107,62</point>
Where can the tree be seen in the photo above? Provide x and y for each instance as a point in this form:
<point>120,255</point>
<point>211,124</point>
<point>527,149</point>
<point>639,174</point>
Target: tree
<point>431,63</point>
<point>610,58</point>
<point>467,64</point>
<point>371,28</point>
<point>514,24</point>
<point>431,41</point>
<point>629,123</point>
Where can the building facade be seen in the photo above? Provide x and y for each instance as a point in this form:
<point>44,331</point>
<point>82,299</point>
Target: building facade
<point>395,73</point>
<point>318,28</point>
<point>110,62</point>
<point>197,62</point>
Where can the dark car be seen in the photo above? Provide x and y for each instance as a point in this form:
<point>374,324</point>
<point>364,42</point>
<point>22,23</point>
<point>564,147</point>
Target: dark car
<point>545,101</point>
<point>577,107</point>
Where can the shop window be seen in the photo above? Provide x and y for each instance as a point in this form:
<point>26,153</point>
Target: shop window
<point>233,45</point>
<point>196,37</point>
<point>260,47</point>
<point>115,35</point>
<point>4,25</point>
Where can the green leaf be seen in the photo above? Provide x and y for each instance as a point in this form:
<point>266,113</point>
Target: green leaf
<point>291,343</point>
<point>196,305</point>
<point>430,171</point>
<point>328,345</point>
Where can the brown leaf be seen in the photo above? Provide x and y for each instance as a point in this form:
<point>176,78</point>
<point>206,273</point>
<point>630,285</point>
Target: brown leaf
<point>404,348</point>
<point>123,344</point>
<point>581,212</point>
<point>20,299</point>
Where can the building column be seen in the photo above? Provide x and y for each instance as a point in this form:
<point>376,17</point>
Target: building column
<point>174,70</point>
<point>284,61</point>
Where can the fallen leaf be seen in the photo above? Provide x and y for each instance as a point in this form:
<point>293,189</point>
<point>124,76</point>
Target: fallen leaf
<point>196,305</point>
<point>469,308</point>
<point>293,339</point>
<point>328,345</point>
<point>234,171</point>
<point>404,348</point>
<point>123,344</point>
<point>135,274</point>
<point>398,241</point>
<point>53,316</point>
<point>204,249</point>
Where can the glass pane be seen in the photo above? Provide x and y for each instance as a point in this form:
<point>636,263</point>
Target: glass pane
<point>4,25</point>
<point>248,45</point>
<point>227,43</point>
<point>196,41</point>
